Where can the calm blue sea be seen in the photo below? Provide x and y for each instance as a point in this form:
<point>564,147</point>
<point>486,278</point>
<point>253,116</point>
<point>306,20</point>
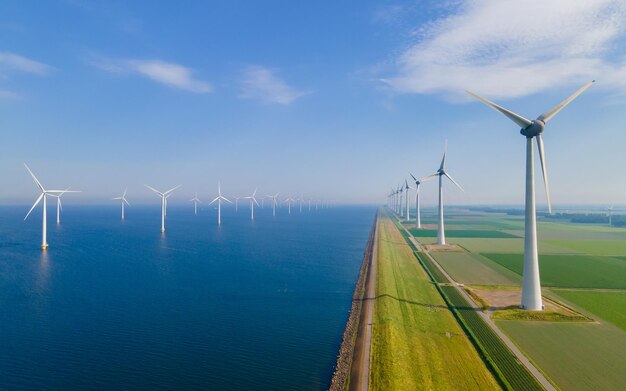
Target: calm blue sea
<point>248,306</point>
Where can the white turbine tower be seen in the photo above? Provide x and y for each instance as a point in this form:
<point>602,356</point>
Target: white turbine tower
<point>441,234</point>
<point>59,206</point>
<point>123,201</point>
<point>43,195</point>
<point>237,203</point>
<point>164,196</point>
<point>406,189</point>
<point>531,284</point>
<point>274,199</point>
<point>219,200</point>
<point>300,200</point>
<point>195,201</point>
<point>418,182</point>
<point>610,214</point>
<point>253,201</point>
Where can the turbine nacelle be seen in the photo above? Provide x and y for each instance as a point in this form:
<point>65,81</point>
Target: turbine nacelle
<point>534,129</point>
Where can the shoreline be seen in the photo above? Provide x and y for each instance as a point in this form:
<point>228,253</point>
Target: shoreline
<point>343,367</point>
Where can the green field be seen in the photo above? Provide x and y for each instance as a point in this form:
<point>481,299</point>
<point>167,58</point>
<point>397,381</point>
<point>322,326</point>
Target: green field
<point>507,246</point>
<point>610,306</point>
<point>571,271</point>
<point>416,341</point>
<point>577,356</point>
<point>468,268</point>
<point>594,247</point>
<point>462,233</point>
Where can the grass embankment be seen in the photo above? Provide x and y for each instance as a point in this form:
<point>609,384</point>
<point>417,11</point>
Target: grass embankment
<point>544,316</point>
<point>463,233</point>
<point>416,342</point>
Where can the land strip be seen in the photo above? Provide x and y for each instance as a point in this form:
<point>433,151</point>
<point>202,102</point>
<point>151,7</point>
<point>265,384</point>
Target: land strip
<point>511,374</point>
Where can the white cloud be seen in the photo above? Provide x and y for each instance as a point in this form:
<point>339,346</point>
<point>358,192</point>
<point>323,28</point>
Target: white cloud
<point>15,62</point>
<point>262,84</point>
<point>170,74</point>
<point>4,94</point>
<point>512,48</point>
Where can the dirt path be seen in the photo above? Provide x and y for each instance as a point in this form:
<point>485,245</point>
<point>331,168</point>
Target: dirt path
<point>359,372</point>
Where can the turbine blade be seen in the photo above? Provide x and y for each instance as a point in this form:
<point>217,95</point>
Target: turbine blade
<point>542,158</point>
<point>413,176</point>
<point>127,203</point>
<point>453,181</point>
<point>547,116</point>
<point>35,178</point>
<point>227,200</point>
<point>154,190</point>
<point>215,199</point>
<point>35,204</point>
<point>125,190</point>
<point>117,198</point>
<point>172,189</point>
<point>518,119</point>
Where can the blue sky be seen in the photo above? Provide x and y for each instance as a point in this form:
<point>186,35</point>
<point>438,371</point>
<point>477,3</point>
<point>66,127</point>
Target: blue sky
<point>331,99</point>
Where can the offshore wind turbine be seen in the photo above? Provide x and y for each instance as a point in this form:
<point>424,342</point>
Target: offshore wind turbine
<point>164,196</point>
<point>610,213</point>
<point>441,234</point>
<point>253,201</point>
<point>531,283</point>
<point>274,198</point>
<point>301,199</point>
<point>418,182</point>
<point>123,201</point>
<point>59,206</point>
<point>237,203</point>
<point>42,196</point>
<point>195,201</point>
<point>289,200</point>
<point>219,200</point>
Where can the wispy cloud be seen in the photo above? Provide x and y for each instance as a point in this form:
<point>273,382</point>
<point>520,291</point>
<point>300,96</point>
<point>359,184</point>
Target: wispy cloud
<point>170,74</point>
<point>8,95</point>
<point>15,62</point>
<point>262,84</point>
<point>512,48</point>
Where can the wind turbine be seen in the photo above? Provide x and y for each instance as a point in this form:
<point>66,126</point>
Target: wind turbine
<point>195,201</point>
<point>406,189</point>
<point>273,198</point>
<point>418,182</point>
<point>123,201</point>
<point>531,284</point>
<point>237,203</point>
<point>441,234</point>
<point>300,200</point>
<point>59,206</point>
<point>289,200</point>
<point>44,193</point>
<point>252,202</point>
<point>219,200</point>
<point>610,211</point>
<point>164,196</point>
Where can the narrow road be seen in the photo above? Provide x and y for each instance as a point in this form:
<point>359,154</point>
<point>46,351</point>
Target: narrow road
<point>486,316</point>
<point>360,370</point>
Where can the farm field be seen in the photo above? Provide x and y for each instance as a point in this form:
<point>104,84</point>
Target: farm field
<point>581,264</point>
<point>416,341</point>
<point>577,356</point>
<point>462,233</point>
<point>571,271</point>
<point>608,305</point>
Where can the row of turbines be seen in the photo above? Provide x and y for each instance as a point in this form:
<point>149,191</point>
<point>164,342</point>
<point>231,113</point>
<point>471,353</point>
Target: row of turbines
<point>398,199</point>
<point>276,202</point>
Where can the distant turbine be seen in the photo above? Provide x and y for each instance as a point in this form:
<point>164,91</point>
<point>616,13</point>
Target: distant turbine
<point>164,196</point>
<point>237,203</point>
<point>531,284</point>
<point>59,206</point>
<point>195,201</point>
<point>44,193</point>
<point>123,201</point>
<point>274,198</point>
<point>418,182</point>
<point>610,210</point>
<point>441,235</point>
<point>252,202</point>
<point>219,200</point>
<point>300,200</point>
<point>289,200</point>
<point>406,189</point>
